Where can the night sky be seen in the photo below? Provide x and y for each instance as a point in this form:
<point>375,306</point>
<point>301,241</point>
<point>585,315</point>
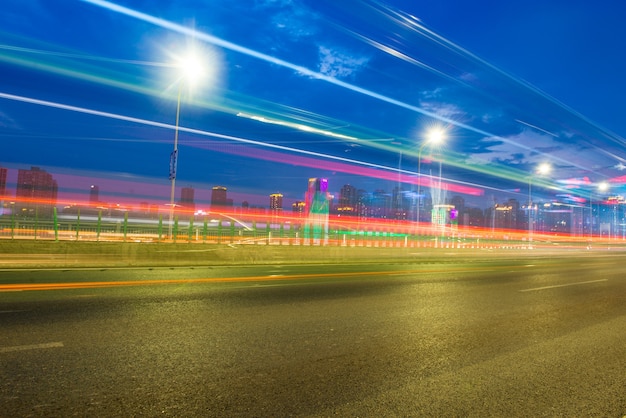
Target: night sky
<point>292,89</point>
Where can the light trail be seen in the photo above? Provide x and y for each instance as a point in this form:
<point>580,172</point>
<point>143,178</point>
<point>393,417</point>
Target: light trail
<point>85,57</point>
<point>314,74</point>
<point>537,128</point>
<point>311,163</point>
<point>413,23</point>
<point>450,160</point>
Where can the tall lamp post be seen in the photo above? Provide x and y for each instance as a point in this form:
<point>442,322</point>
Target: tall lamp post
<point>433,136</point>
<point>543,169</point>
<point>190,71</point>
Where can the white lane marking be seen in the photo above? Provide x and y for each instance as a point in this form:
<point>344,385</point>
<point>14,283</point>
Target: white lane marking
<point>30,347</point>
<point>563,285</point>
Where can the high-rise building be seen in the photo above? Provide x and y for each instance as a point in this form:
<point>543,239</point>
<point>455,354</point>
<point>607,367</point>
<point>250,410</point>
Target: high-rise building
<point>380,204</point>
<point>3,182</point>
<point>276,203</point>
<point>347,200</point>
<point>459,203</point>
<point>362,204</point>
<point>400,203</point>
<point>317,205</point>
<point>187,200</point>
<point>3,188</point>
<point>298,208</point>
<point>36,193</point>
<point>94,194</point>
<point>218,197</point>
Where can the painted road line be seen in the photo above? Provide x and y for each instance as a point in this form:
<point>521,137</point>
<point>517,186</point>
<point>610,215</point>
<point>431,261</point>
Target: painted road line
<point>30,347</point>
<point>563,285</point>
<point>13,287</point>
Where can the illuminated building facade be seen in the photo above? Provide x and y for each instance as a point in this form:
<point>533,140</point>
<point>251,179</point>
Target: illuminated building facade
<point>219,198</point>
<point>36,193</point>
<point>347,200</point>
<point>400,204</point>
<point>317,201</point>
<point>506,215</point>
<point>299,208</point>
<point>444,215</point>
<point>276,203</point>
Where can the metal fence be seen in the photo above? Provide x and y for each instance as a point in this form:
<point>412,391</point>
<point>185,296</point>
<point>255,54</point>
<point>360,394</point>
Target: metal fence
<point>272,230</point>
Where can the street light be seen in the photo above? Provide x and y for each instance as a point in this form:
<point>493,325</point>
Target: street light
<point>543,169</point>
<point>434,136</point>
<point>191,70</point>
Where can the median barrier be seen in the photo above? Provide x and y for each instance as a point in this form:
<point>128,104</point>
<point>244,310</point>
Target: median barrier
<point>65,254</point>
<point>50,254</point>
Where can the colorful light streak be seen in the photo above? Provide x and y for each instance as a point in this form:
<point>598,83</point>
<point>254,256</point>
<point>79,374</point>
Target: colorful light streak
<point>90,74</point>
<point>274,157</point>
<point>201,36</point>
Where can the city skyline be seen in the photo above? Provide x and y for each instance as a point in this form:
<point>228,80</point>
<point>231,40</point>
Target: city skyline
<point>212,194</point>
<point>298,89</point>
<point>36,195</point>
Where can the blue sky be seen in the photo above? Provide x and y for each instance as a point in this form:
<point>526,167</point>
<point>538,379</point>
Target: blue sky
<point>294,89</point>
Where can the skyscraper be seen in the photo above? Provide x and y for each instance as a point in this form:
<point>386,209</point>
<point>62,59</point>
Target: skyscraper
<point>187,200</point>
<point>94,194</point>
<point>36,193</point>
<point>317,200</point>
<point>3,181</point>
<point>3,188</point>
<point>276,203</point>
<point>298,208</point>
<point>218,197</point>
<point>347,200</point>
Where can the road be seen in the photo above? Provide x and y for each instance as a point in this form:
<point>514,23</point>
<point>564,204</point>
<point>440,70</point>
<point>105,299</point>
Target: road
<point>540,336</point>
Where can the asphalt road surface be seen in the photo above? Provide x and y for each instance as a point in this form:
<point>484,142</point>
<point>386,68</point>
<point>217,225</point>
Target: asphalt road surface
<point>453,337</point>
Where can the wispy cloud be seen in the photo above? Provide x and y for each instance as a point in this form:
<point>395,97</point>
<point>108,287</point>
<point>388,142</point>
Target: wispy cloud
<point>290,18</point>
<point>526,148</point>
<point>7,122</point>
<point>339,64</point>
<point>445,110</point>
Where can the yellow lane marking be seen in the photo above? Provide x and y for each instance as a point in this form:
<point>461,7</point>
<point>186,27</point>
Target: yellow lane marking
<point>100,284</point>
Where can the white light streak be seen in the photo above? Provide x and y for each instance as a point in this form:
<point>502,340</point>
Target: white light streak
<point>188,130</point>
<point>298,126</point>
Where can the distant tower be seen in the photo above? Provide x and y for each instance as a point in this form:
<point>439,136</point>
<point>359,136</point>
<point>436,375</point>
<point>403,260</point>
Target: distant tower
<point>218,197</point>
<point>3,188</point>
<point>36,193</point>
<point>347,200</point>
<point>298,208</point>
<point>94,194</point>
<point>3,181</point>
<point>187,199</point>
<point>276,203</point>
<point>317,202</point>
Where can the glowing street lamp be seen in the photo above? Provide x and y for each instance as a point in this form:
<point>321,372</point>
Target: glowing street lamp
<point>542,169</point>
<point>191,70</point>
<point>434,136</point>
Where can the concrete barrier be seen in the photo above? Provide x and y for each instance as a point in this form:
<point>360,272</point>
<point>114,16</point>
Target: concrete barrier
<point>19,254</point>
